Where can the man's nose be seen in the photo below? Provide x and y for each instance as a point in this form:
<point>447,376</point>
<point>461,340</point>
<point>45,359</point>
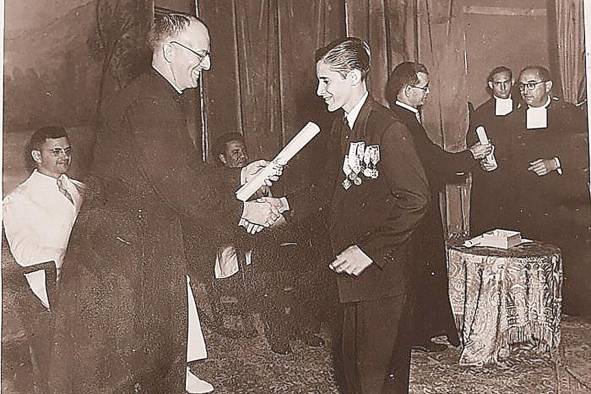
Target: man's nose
<point>206,63</point>
<point>319,90</point>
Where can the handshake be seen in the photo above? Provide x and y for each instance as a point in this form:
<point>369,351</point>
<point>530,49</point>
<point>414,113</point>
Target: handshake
<point>264,211</point>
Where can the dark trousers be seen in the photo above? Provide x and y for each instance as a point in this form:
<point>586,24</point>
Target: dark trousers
<point>375,347</point>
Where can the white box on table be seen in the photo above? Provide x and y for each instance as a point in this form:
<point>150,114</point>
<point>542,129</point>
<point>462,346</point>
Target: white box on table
<point>498,238</point>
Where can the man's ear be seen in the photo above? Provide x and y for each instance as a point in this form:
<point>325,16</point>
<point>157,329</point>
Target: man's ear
<point>222,158</point>
<point>167,52</point>
<point>548,85</point>
<point>354,76</point>
<point>36,155</point>
<point>490,85</point>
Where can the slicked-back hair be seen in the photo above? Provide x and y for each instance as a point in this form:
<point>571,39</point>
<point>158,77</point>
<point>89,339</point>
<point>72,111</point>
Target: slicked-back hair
<point>542,71</point>
<point>345,55</point>
<point>498,70</point>
<point>38,139</point>
<point>168,24</point>
<point>403,74</point>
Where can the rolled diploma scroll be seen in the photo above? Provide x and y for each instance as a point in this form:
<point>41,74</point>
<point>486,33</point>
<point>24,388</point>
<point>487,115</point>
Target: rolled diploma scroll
<point>296,144</point>
<point>483,139</point>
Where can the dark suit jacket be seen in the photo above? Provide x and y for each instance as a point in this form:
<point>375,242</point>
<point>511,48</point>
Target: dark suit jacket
<point>379,215</point>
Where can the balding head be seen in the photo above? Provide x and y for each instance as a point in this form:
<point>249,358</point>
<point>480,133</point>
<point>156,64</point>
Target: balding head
<point>180,45</point>
<point>535,85</point>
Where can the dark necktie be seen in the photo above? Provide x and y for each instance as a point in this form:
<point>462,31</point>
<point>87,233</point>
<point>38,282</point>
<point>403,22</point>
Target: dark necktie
<point>62,188</point>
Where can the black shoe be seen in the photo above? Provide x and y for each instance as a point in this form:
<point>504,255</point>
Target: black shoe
<point>430,347</point>
<point>313,340</point>
<point>281,348</point>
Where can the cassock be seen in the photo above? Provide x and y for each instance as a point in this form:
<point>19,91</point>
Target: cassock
<point>432,310</point>
<point>487,208</point>
<point>378,215</point>
<point>122,313</point>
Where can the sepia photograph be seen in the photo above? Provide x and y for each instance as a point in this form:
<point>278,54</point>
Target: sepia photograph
<point>295,196</point>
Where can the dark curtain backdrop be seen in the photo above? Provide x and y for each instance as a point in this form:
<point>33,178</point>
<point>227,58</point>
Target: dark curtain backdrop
<point>262,82</point>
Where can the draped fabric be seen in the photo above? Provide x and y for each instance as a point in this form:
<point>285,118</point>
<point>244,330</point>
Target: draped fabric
<point>263,82</point>
<point>570,41</point>
<point>122,26</point>
<point>505,297</point>
<point>389,29</point>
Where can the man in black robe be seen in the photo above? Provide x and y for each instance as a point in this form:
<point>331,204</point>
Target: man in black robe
<point>122,315</point>
<point>487,210</point>
<point>548,182</point>
<point>408,88</point>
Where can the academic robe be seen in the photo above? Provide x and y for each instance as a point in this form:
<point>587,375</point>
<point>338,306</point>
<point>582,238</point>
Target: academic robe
<point>487,207</point>
<point>122,313</point>
<point>432,311</point>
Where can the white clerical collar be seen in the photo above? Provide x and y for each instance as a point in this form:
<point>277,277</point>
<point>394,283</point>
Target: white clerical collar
<point>408,107</point>
<point>503,106</point>
<point>537,117</point>
<point>352,116</point>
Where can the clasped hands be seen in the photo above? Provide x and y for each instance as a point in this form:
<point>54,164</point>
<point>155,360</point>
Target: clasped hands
<point>265,211</point>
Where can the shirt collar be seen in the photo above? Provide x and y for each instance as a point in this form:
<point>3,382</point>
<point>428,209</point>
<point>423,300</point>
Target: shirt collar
<point>406,106</point>
<point>509,99</point>
<point>546,104</point>
<point>352,116</point>
<point>45,179</point>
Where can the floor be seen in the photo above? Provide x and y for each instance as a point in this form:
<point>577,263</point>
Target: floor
<point>248,366</point>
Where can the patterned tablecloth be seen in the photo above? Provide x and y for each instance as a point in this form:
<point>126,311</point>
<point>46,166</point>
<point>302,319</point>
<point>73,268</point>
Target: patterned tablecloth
<point>505,297</point>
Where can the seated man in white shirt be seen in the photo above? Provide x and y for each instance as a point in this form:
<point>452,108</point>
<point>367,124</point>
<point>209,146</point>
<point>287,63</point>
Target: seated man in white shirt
<point>38,218</point>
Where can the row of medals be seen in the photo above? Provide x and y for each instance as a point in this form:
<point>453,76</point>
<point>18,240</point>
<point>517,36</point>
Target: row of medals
<point>360,160</point>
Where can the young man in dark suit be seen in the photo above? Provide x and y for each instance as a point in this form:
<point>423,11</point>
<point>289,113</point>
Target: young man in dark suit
<point>376,192</point>
<point>408,89</point>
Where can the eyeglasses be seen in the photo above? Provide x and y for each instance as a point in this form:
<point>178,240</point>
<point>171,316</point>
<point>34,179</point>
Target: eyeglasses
<point>201,56</point>
<point>423,88</point>
<point>530,85</point>
<point>58,151</point>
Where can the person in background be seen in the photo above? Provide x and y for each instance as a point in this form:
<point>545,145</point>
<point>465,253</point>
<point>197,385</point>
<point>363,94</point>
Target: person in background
<point>549,173</point>
<point>408,90</point>
<point>38,217</point>
<point>487,210</point>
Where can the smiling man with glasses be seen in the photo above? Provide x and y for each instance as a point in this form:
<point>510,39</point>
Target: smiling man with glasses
<point>126,305</point>
<point>38,217</point>
<point>546,183</point>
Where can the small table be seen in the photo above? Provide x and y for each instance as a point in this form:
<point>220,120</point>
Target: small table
<point>503,297</point>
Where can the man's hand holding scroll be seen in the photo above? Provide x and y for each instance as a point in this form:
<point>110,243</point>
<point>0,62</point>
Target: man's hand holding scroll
<point>253,169</point>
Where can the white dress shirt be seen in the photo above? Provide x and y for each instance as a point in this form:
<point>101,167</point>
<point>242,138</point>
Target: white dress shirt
<point>38,220</point>
<point>352,116</point>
